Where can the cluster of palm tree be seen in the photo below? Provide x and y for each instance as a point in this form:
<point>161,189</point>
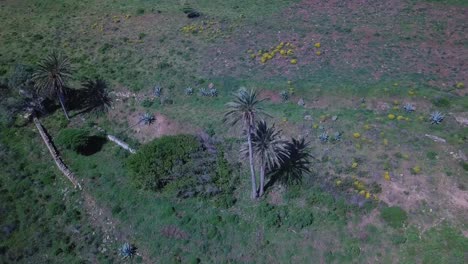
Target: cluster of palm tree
<point>283,160</point>
<point>51,75</point>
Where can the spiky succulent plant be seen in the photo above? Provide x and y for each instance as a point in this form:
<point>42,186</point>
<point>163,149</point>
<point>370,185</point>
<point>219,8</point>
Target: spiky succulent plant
<point>436,117</point>
<point>158,91</point>
<point>189,90</point>
<point>323,137</point>
<point>213,92</point>
<point>337,136</point>
<point>284,96</point>
<point>147,118</point>
<point>409,108</point>
<point>204,92</point>
<point>127,250</point>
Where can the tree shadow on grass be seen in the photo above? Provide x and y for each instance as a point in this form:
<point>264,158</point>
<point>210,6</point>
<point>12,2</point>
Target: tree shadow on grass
<point>94,145</point>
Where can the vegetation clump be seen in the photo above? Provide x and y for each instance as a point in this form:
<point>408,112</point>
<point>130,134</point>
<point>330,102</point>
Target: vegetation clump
<point>74,139</point>
<point>394,216</point>
<point>152,165</point>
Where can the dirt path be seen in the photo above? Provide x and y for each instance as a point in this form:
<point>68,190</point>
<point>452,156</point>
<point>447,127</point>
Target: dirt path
<point>114,233</point>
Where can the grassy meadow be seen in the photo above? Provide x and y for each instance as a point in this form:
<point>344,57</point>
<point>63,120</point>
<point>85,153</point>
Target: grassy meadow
<point>386,185</point>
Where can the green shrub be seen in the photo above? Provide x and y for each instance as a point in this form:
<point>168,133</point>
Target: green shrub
<point>441,102</point>
<point>74,139</point>
<point>394,216</point>
<point>152,165</point>
<point>299,218</point>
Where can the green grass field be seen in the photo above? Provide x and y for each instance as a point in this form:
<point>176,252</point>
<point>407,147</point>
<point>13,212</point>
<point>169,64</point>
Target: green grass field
<point>354,64</point>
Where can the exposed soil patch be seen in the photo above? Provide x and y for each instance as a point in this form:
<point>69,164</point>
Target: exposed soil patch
<point>114,234</point>
<point>271,96</point>
<point>162,126</point>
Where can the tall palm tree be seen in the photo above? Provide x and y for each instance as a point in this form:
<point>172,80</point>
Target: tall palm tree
<point>50,76</point>
<point>269,149</point>
<point>245,108</point>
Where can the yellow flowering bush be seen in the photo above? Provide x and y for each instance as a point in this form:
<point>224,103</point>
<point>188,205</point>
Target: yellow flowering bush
<point>293,61</point>
<point>416,170</point>
<point>391,116</point>
<point>317,45</point>
<point>387,176</point>
<point>354,165</point>
<point>356,135</point>
<point>399,118</point>
<point>460,85</point>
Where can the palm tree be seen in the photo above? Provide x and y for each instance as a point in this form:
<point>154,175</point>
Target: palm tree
<point>296,163</point>
<point>269,149</point>
<point>50,75</point>
<point>245,108</point>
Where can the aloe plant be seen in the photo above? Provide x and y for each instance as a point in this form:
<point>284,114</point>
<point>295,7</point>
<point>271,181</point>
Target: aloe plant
<point>158,91</point>
<point>204,92</point>
<point>213,92</point>
<point>127,250</point>
<point>436,117</point>
<point>147,118</point>
<point>323,137</point>
<point>284,96</point>
<point>189,90</point>
<point>337,136</point>
<point>409,108</point>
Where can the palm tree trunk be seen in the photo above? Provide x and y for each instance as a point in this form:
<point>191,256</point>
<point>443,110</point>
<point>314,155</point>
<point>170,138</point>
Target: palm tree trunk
<point>262,180</point>
<point>252,169</point>
<point>63,105</point>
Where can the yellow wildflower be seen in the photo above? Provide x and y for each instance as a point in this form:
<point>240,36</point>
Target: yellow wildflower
<point>387,176</point>
<point>460,85</point>
<point>391,116</point>
<point>354,165</point>
<point>293,61</point>
<point>317,45</point>
<point>368,195</point>
<point>399,118</point>
<point>356,135</point>
<point>318,53</point>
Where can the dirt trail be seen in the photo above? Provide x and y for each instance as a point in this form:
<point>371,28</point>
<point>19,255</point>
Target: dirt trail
<point>114,233</point>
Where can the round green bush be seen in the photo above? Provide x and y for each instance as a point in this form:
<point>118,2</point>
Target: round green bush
<point>74,139</point>
<point>152,165</point>
<point>394,216</point>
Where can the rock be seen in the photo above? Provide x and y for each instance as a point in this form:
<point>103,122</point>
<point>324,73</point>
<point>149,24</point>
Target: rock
<point>301,102</point>
<point>334,118</point>
<point>308,117</point>
<point>436,138</point>
<point>461,118</point>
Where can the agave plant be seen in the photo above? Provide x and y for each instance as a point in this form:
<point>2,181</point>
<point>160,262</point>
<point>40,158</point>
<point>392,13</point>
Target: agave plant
<point>158,91</point>
<point>213,92</point>
<point>188,91</point>
<point>337,136</point>
<point>436,117</point>
<point>409,108</point>
<point>323,137</point>
<point>204,92</point>
<point>147,118</point>
<point>284,96</point>
<point>127,250</point>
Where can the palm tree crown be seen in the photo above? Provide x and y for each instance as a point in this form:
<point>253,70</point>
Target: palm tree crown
<point>268,146</point>
<point>245,107</point>
<point>50,76</point>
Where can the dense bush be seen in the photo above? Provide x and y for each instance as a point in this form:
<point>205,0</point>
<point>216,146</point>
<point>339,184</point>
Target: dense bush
<point>152,167</point>
<point>394,216</point>
<point>74,139</point>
